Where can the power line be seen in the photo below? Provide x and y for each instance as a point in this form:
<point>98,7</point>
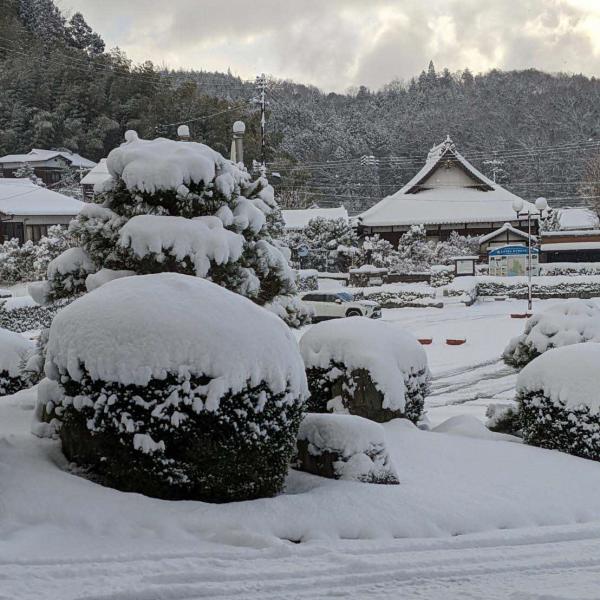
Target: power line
<point>203,117</point>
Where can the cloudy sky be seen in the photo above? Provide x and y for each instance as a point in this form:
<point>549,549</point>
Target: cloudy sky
<point>336,44</point>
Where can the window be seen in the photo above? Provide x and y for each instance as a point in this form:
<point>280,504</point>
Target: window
<point>36,232</point>
<point>344,296</point>
<point>12,230</point>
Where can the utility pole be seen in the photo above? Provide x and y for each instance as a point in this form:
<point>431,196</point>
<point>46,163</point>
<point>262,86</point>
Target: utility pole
<point>261,87</point>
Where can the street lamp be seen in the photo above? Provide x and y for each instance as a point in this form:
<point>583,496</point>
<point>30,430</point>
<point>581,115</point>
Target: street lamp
<point>541,205</point>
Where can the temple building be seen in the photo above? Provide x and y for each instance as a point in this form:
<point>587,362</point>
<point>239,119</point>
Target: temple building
<point>447,194</point>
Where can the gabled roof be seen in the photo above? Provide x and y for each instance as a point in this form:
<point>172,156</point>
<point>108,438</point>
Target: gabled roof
<point>299,219</point>
<point>39,155</point>
<point>21,197</point>
<point>443,152</point>
<point>503,229</point>
<point>419,204</point>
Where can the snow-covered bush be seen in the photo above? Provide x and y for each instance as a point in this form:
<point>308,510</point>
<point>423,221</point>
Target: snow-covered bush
<point>15,351</point>
<point>344,447</point>
<point>181,207</point>
<point>364,367</point>
<point>376,251</point>
<point>172,386</point>
<point>559,396</point>
<point>441,275</point>
<point>29,261</point>
<point>503,418</point>
<point>570,322</point>
<point>307,280</point>
<point>334,238</point>
<point>416,254</point>
<point>24,314</point>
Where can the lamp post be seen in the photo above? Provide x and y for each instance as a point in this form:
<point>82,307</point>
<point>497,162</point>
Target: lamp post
<point>541,205</point>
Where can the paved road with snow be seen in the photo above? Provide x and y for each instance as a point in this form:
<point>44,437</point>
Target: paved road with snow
<point>552,564</point>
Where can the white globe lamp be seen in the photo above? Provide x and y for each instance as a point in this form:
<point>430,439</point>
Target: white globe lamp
<point>517,205</point>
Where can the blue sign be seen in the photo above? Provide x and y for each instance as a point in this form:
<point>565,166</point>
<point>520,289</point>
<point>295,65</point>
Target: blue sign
<point>512,251</point>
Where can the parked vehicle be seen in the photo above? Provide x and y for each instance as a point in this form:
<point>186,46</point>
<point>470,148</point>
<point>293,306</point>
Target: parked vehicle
<point>332,305</point>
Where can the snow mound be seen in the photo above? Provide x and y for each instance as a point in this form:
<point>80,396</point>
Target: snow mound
<point>70,261</point>
<point>358,443</point>
<point>202,239</point>
<point>134,329</point>
<point>388,352</point>
<point>14,350</point>
<point>569,375</point>
<point>19,302</point>
<point>95,280</point>
<point>162,164</point>
<point>570,322</point>
<point>472,427</point>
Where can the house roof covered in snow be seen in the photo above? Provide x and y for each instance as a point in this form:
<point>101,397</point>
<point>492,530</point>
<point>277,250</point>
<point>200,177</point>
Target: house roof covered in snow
<point>578,219</point>
<point>447,189</point>
<point>21,197</point>
<point>38,155</point>
<point>299,219</point>
<point>99,174</point>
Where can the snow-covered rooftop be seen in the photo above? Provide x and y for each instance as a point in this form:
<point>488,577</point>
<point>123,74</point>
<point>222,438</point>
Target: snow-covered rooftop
<point>473,199</point>
<point>22,197</point>
<point>299,218</point>
<point>578,218</point>
<point>506,227</point>
<point>570,246</point>
<point>39,155</point>
<point>99,174</point>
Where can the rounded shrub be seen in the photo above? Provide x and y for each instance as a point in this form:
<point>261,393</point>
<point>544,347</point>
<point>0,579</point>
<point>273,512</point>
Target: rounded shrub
<point>177,388</point>
<point>365,367</point>
<point>569,322</point>
<point>559,397</point>
<point>15,351</point>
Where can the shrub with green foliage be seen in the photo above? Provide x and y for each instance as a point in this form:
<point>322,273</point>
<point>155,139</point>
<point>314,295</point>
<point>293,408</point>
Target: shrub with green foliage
<point>559,398</point>
<point>174,387</point>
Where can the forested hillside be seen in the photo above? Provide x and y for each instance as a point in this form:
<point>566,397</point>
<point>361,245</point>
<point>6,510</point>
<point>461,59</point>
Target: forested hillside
<point>536,133</point>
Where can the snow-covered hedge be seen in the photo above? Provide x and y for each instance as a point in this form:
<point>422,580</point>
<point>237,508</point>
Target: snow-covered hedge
<point>570,269</point>
<point>543,287</point>
<point>570,322</point>
<point>559,396</point>
<point>344,447</point>
<point>24,314</point>
<point>395,296</point>
<point>369,368</point>
<point>15,351</point>
<point>172,386</point>
<point>441,275</point>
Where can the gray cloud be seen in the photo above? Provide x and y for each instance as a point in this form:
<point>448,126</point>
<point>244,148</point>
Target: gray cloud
<point>340,43</point>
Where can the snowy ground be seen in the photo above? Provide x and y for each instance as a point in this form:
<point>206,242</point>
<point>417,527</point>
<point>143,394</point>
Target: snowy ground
<point>472,518</point>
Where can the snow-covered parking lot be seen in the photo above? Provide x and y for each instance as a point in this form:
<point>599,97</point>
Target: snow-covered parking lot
<point>477,515</point>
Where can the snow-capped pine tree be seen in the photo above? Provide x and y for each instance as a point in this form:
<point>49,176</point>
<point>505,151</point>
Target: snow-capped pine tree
<point>415,253</point>
<point>550,220</point>
<point>181,207</point>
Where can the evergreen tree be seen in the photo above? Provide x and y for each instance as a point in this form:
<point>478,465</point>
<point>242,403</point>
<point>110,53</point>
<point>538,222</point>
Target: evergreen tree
<point>180,207</point>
